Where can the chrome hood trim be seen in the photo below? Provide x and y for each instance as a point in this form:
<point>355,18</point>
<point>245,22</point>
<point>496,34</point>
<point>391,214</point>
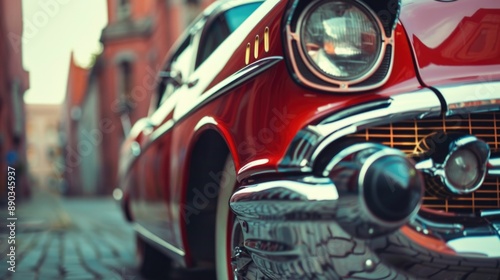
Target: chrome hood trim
<point>311,140</point>
<point>471,98</point>
<point>424,103</point>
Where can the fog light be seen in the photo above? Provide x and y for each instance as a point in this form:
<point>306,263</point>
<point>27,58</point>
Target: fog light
<point>462,170</point>
<point>455,165</point>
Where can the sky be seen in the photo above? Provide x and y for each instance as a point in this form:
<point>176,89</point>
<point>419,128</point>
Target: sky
<point>52,29</point>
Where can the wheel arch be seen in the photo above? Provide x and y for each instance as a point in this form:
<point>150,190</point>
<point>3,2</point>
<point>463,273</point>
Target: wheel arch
<point>210,146</point>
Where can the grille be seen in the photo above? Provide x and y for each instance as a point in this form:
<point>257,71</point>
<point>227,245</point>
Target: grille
<point>405,136</point>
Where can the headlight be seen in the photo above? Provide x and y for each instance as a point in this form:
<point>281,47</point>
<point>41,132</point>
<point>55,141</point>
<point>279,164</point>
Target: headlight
<point>341,39</point>
<point>340,45</point>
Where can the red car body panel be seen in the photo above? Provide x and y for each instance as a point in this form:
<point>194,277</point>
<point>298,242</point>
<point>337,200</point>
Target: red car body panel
<point>454,41</point>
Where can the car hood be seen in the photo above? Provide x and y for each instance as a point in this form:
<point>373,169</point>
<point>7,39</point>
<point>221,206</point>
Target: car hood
<point>454,41</point>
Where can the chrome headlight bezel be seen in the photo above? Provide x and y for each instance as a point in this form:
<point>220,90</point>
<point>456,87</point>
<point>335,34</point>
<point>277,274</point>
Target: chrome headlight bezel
<point>306,72</point>
<point>315,68</point>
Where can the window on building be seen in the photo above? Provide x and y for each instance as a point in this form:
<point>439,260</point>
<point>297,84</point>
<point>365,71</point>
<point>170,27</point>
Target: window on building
<point>125,69</point>
<point>123,9</point>
<point>17,108</point>
<point>222,27</point>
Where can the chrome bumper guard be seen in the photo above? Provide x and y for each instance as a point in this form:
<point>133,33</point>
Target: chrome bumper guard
<point>295,227</point>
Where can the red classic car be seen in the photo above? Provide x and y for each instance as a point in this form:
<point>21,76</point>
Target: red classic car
<point>324,139</point>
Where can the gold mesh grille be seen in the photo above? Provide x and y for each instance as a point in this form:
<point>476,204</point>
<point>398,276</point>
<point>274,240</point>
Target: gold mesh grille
<point>406,135</point>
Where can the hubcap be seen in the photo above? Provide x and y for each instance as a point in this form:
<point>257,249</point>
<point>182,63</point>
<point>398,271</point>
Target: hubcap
<point>241,260</point>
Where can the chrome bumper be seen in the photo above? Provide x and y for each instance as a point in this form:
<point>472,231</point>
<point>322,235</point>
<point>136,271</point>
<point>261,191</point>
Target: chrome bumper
<point>293,229</point>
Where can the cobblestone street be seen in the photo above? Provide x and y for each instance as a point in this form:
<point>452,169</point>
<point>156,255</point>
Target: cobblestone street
<point>73,239</point>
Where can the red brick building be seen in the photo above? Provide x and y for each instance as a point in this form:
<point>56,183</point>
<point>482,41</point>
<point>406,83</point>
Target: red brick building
<point>71,116</point>
<point>135,41</point>
<point>14,81</point>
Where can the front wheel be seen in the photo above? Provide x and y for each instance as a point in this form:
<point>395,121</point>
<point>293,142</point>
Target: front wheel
<point>233,262</point>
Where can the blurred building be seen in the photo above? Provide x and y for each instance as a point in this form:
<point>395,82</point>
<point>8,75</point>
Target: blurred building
<point>74,151</point>
<point>14,81</point>
<point>118,91</point>
<point>91,132</point>
<point>82,133</point>
<point>44,150</point>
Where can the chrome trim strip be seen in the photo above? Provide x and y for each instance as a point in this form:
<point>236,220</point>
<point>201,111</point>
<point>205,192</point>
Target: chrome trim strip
<point>494,165</point>
<point>205,121</point>
<point>428,226</point>
<point>313,139</point>
<point>151,236</point>
<point>135,148</point>
<point>490,213</point>
<point>161,130</point>
<point>457,234</point>
<point>421,104</point>
<point>314,192</point>
<point>477,97</point>
<point>294,196</point>
<point>238,78</point>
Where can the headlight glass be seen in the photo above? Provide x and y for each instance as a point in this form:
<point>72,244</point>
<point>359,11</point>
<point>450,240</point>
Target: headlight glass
<point>341,39</point>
